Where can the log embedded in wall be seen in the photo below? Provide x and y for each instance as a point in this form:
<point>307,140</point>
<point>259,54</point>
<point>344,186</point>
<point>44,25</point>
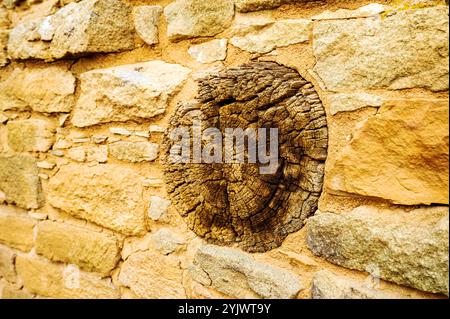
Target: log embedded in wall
<point>255,204</point>
<point>179,149</point>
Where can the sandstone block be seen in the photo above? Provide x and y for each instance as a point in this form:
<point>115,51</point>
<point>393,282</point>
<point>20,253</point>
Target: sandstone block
<point>62,282</point>
<point>91,250</point>
<point>326,285</point>
<point>3,45</point>
<point>345,102</point>
<point>105,194</point>
<point>407,248</point>
<point>238,275</point>
<point>42,88</point>
<point>209,52</point>
<point>166,241</point>
<point>136,91</point>
<point>134,151</point>
<point>382,160</point>
<point>97,154</point>
<point>262,35</point>
<point>372,9</point>
<point>158,207</point>
<point>4,19</point>
<point>256,5</point>
<point>351,54</point>
<point>146,19</point>
<point>32,135</point>
<point>3,118</point>
<point>10,291</point>
<point>198,18</point>
<point>19,180</point>
<point>16,229</point>
<point>7,268</point>
<point>11,3</point>
<point>89,153</point>
<point>77,154</point>
<point>143,274</point>
<point>89,26</point>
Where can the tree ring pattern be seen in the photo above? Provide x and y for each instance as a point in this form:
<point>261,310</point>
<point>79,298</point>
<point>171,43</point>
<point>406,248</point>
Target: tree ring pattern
<point>233,204</point>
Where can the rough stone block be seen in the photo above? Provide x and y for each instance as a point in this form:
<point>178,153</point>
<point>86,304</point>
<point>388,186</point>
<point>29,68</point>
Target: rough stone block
<point>16,229</point>
<point>89,26</point>
<point>134,152</point>
<point>144,274</point>
<point>352,54</point>
<point>91,250</point>
<point>407,248</point>
<point>32,135</point>
<point>108,195</point>
<point>238,275</point>
<point>62,282</point>
<point>400,154</point>
<point>19,180</point>
<point>146,19</point>
<point>136,91</point>
<point>198,18</point>
<point>7,268</point>
<point>43,88</point>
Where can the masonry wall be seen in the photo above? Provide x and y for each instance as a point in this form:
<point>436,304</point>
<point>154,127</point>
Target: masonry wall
<point>87,89</point>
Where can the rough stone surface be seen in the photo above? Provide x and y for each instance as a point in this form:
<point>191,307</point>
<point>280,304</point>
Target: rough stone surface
<point>62,144</point>
<point>369,10</point>
<point>326,285</point>
<point>140,271</point>
<point>345,102</point>
<point>10,291</point>
<point>3,45</point>
<point>3,118</point>
<point>97,154</point>
<point>11,3</point>
<point>120,131</point>
<point>136,91</point>
<point>16,230</point>
<point>98,138</point>
<point>146,19</point>
<point>42,88</point>
<point>77,154</point>
<point>89,153</point>
<point>209,52</point>
<point>19,180</point>
<point>407,248</point>
<point>238,275</point>
<point>134,152</point>
<point>351,54</point>
<point>198,18</point>
<point>256,5</point>
<point>262,35</point>
<point>158,207</point>
<point>166,241</point>
<point>45,165</point>
<point>7,258</point>
<point>62,282</point>
<point>228,201</point>
<point>4,25</point>
<point>382,158</point>
<point>4,19</point>
<point>106,194</point>
<point>89,26</point>
<point>91,250</point>
<point>31,135</point>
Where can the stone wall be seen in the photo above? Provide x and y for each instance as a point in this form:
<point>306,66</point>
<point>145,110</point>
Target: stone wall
<point>88,88</point>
